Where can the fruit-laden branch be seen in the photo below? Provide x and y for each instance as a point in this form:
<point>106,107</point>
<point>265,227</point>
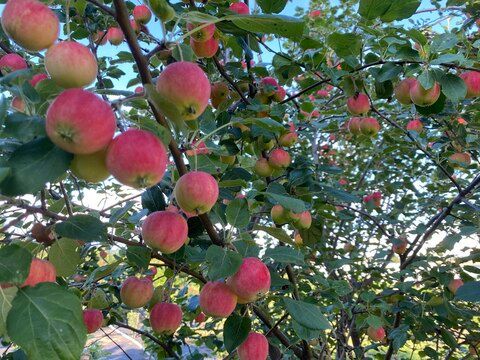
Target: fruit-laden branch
<point>230,80</point>
<point>146,77</point>
<point>419,147</point>
<point>169,351</point>
<point>421,239</point>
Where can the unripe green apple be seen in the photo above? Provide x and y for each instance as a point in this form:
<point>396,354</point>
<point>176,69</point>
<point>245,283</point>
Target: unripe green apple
<point>90,167</point>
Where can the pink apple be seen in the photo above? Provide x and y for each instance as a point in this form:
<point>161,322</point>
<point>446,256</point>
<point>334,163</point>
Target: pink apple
<point>358,104</point>
<point>251,281</point>
<point>279,159</point>
<point>302,220</point>
<point>136,292</point>
<point>353,125</point>
<point>12,62</point>
<point>424,97</point>
<point>217,299</point>
<point>460,159</point>
<point>115,36</point>
<point>263,168</point>
<point>288,139</point>
<point>369,126</point>
<point>80,122</point>
<point>205,49</point>
<point>165,231</point>
<point>30,23</point>
<point>279,214</point>
<point>376,334</point>
<point>268,86</point>
<point>454,285</point>
<point>415,125</point>
<point>472,81</point>
<point>71,64</point>
<point>137,158</point>
<point>40,271</point>
<point>165,318</point>
<point>142,14</point>
<point>196,192</point>
<point>38,78</point>
<point>240,8</point>
<point>402,91</point>
<point>93,320</point>
<point>186,89</point>
<point>203,34</point>
<point>255,347</point>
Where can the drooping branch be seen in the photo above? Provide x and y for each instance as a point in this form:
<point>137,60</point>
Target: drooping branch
<point>106,9</point>
<point>227,77</point>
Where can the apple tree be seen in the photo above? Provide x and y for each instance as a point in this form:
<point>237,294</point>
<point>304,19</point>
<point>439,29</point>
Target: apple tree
<point>230,182</point>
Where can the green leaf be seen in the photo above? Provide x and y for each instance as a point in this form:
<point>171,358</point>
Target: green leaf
<point>303,332</point>
<point>82,227</point>
<point>443,42</point>
<point>14,264</point>
<point>64,256</point>
<point>6,297</point>
<point>139,256</point>
<point>388,10</point>
<point>285,254</point>
<point>272,6</point>
<point>470,291</point>
<point>277,233</point>
<point>222,262</point>
<point>345,44</point>
<point>39,157</point>
<point>24,127</point>
<point>306,314</point>
<point>46,322</point>
<point>153,199</point>
<point>285,26</point>
<point>208,164</point>
<point>265,123</point>
<point>288,202</point>
<point>235,331</point>
<point>237,213</point>
<point>453,87</point>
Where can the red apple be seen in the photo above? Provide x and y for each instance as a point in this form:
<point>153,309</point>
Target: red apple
<point>415,125</point>
<point>400,247</point>
<point>322,93</point>
<point>186,89</point>
<point>220,93</point>
<point>40,271</point>
<point>268,86</point>
<point>93,320</point>
<point>302,220</point>
<point>263,168</point>
<point>115,36</point>
<point>314,14</point>
<point>353,125</point>
<point>358,104</point>
<point>460,159</point>
<point>240,8</point>
<point>255,347</point>
<point>136,292</point>
<point>203,34</point>
<point>424,97</point>
<point>18,104</point>
<point>279,159</point>
<point>30,23</point>
<point>402,91</point>
<point>38,78</point>
<point>251,281</point>
<point>165,318</point>
<point>454,285</point>
<point>472,81</point>
<point>80,122</point>
<point>137,158</point>
<point>142,14</point>
<point>139,90</point>
<point>206,49</point>
<point>217,299</point>
<point>376,334</point>
<point>369,126</point>
<point>200,318</point>
<point>196,192</point>
<point>279,94</point>
<point>71,64</point>
<point>165,231</point>
<point>12,62</point>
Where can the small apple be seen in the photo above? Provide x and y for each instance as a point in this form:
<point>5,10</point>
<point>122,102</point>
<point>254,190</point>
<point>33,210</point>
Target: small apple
<point>353,125</point>
<point>460,159</point>
<point>454,285</point>
<point>93,320</point>
<point>30,23</point>
<point>137,158</point>
<point>279,214</point>
<point>415,125</point>
<point>136,292</point>
<point>40,271</point>
<point>424,97</point>
<point>196,192</point>
<point>288,139</point>
<point>115,36</point>
<point>200,318</point>
<point>369,126</point>
<point>18,104</point>
<point>38,78</point>
<point>205,33</point>
<point>12,62</point>
<point>90,167</point>
<point>206,49</point>
<point>279,159</point>
<point>472,81</point>
<point>251,281</point>
<point>217,299</point>
<point>402,91</point>
<point>220,93</point>
<point>255,347</point>
<point>80,122</point>
<point>263,168</point>
<point>142,14</point>
<point>240,8</point>
<point>401,247</point>
<point>165,318</point>
<point>358,104</point>
<point>165,231</point>
<point>302,220</point>
<point>376,334</point>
